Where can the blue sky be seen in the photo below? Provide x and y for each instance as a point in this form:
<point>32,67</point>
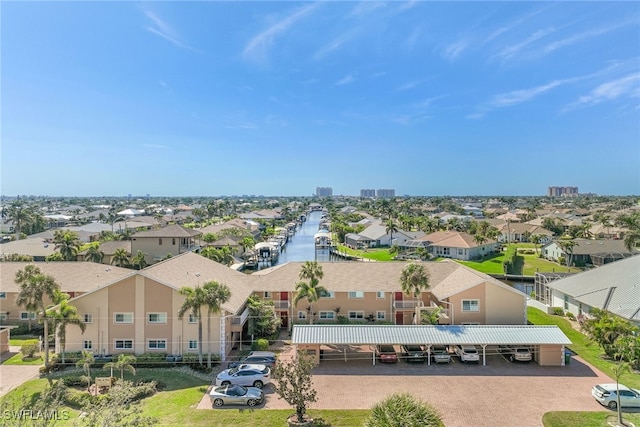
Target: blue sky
<point>277,98</point>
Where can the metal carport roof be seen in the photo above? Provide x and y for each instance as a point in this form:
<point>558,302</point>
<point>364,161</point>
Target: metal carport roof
<point>428,334</point>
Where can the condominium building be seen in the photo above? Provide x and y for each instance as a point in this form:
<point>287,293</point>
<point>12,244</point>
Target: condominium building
<point>562,191</point>
<point>367,193</point>
<point>324,191</point>
<point>385,193</point>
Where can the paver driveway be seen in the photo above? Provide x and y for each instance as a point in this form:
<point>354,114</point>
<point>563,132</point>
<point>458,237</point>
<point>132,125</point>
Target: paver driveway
<point>499,394</point>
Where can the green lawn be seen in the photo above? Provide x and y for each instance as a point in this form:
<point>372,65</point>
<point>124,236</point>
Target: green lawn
<point>377,254</point>
<point>589,351</point>
<point>20,339</point>
<point>18,359</point>
<point>584,419</point>
<point>176,404</point>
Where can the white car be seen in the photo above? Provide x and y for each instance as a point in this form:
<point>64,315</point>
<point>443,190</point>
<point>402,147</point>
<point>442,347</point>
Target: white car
<point>467,353</point>
<point>515,353</point>
<point>607,396</point>
<point>247,375</point>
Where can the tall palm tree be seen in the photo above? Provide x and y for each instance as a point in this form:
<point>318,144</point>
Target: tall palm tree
<point>94,254</point>
<point>67,243</point>
<point>536,239</point>
<point>21,214</point>
<point>567,246</point>
<point>215,294</point>
<point>414,279</point>
<point>195,298</point>
<point>312,289</point>
<point>85,362</point>
<point>139,261</point>
<point>120,258</point>
<point>124,363</point>
<point>36,291</point>
<point>64,315</point>
<point>390,228</point>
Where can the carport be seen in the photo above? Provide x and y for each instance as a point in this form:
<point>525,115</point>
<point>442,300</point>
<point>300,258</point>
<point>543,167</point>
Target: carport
<point>309,338</point>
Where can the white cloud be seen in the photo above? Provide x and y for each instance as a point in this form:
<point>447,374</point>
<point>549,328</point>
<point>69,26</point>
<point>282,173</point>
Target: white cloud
<point>366,7</point>
<point>627,86</point>
<point>162,29</point>
<point>345,80</point>
<point>258,45</point>
<point>512,50</point>
<point>522,95</point>
<point>453,50</point>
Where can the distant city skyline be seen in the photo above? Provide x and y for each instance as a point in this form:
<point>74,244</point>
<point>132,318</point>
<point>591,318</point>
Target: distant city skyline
<point>276,98</point>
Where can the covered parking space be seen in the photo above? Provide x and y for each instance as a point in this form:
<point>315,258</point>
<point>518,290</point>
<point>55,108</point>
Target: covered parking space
<point>547,341</point>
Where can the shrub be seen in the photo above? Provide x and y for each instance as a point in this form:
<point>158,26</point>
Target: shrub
<point>570,315</point>
<point>260,344</point>
<point>402,409</point>
<point>29,348</point>
<point>343,320</point>
<point>558,311</point>
<point>75,381</point>
<point>151,360</point>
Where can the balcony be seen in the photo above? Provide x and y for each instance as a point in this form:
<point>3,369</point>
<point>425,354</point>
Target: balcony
<point>405,305</point>
<point>238,321</point>
<point>281,305</point>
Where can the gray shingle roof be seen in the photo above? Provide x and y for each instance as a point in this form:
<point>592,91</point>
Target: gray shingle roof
<point>427,334</point>
<point>173,230</point>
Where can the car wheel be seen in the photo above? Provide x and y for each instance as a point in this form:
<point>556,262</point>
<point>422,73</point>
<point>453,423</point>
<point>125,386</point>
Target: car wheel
<point>612,405</point>
<point>257,384</point>
<point>251,402</point>
<point>218,402</point>
<point>225,383</point>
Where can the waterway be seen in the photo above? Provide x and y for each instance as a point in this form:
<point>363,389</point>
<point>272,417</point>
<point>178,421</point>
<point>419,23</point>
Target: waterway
<point>302,247</point>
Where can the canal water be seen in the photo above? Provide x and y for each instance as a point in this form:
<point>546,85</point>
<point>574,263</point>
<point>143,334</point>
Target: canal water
<point>302,247</point>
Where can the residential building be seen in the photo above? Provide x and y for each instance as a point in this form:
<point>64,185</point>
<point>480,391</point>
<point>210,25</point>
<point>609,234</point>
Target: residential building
<point>385,193</point>
<point>324,191</point>
<point>376,235</point>
<point>367,193</point>
<point>168,241</point>
<point>589,252</point>
<point>562,191</point>
<point>452,244</point>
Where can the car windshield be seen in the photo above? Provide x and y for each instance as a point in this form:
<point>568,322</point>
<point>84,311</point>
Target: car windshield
<point>470,350</point>
<point>386,349</point>
<point>234,371</point>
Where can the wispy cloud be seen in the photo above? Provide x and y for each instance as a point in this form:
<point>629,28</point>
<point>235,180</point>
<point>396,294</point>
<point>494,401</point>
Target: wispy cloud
<point>411,41</point>
<point>408,85</point>
<point>453,50</point>
<point>345,80</point>
<point>259,44</point>
<point>514,24</point>
<point>366,7</point>
<point>576,38</point>
<point>623,87</point>
<point>511,50</point>
<point>332,45</point>
<point>156,146</point>
<point>164,30</point>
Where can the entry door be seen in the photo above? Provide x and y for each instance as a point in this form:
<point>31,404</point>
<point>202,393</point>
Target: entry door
<point>399,318</point>
<point>284,296</point>
<point>284,324</point>
<point>398,296</point>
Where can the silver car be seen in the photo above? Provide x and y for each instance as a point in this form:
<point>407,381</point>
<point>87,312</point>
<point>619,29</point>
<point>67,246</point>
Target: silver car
<point>236,395</point>
<point>248,375</point>
<point>607,396</point>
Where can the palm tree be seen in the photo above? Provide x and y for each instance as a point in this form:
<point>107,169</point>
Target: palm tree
<point>310,290</point>
<point>536,239</point>
<point>390,228</point>
<point>35,288</point>
<point>94,254</point>
<point>567,246</point>
<point>414,279</point>
<point>120,258</point>
<point>124,363</point>
<point>632,240</point>
<point>85,361</point>
<point>21,214</point>
<point>195,298</point>
<point>67,243</point>
<point>216,294</point>
<point>64,315</point>
<point>139,261</point>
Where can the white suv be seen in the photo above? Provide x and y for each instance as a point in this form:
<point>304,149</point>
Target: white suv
<point>514,353</point>
<point>467,353</point>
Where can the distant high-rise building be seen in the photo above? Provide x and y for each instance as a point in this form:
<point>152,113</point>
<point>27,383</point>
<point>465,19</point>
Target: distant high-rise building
<point>385,193</point>
<point>367,193</point>
<point>324,191</point>
<point>562,191</point>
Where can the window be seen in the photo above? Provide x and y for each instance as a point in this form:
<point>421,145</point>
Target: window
<point>566,302</point>
<point>327,315</point>
<point>460,251</point>
<point>27,315</point>
<point>87,345</point>
<point>356,294</point>
<point>470,305</point>
<point>160,242</point>
<point>193,345</point>
<point>267,295</point>
<point>88,318</point>
<point>192,318</point>
<point>123,344</point>
<point>302,315</point>
<point>173,241</point>
<point>380,315</point>
<point>157,317</point>
<point>380,295</point>
<point>327,294</point>
<point>3,315</point>
<point>355,315</point>
<point>157,344</point>
<point>470,323</point>
<point>446,251</point>
<point>123,317</point>
<point>3,295</point>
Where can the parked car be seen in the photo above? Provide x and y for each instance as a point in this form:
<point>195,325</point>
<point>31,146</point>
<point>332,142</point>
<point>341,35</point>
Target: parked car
<point>440,354</point>
<point>607,396</point>
<point>266,358</point>
<point>248,375</point>
<point>467,353</point>
<point>386,353</point>
<point>516,353</point>
<point>413,353</point>
<point>236,395</point>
